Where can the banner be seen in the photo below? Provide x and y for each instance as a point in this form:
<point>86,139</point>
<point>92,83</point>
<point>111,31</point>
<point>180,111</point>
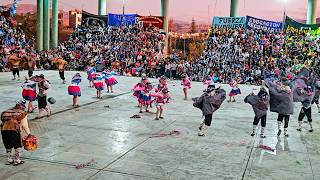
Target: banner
<point>229,22</point>
<point>122,20</point>
<point>260,24</point>
<point>290,23</point>
<point>147,21</point>
<point>89,19</point>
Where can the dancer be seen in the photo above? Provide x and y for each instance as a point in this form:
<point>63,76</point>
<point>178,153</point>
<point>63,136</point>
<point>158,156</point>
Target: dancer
<point>209,102</point>
<point>43,86</point>
<point>91,71</point>
<point>186,83</point>
<point>15,60</point>
<point>162,84</point>
<point>11,120</point>
<point>29,93</point>
<point>209,81</point>
<point>259,104</point>
<point>281,102</point>
<point>74,89</point>
<point>98,82</point>
<point>145,98</point>
<point>110,80</point>
<point>235,90</point>
<point>139,87</point>
<point>161,99</point>
<point>304,94</point>
<point>61,65</point>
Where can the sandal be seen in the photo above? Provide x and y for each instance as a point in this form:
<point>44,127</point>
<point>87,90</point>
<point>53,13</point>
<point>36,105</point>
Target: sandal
<point>18,163</point>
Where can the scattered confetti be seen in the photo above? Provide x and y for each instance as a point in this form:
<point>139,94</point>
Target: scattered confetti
<point>266,148</point>
<point>88,164</point>
<point>172,133</point>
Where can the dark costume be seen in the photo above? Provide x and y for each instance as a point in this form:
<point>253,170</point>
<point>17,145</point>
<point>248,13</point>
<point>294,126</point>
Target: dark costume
<point>259,104</point>
<point>208,105</point>
<point>281,102</point>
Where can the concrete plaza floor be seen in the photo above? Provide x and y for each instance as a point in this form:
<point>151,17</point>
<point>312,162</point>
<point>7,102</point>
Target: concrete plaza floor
<point>122,148</point>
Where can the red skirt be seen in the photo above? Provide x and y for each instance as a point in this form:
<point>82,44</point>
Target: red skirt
<point>74,90</point>
<point>99,86</point>
<point>29,95</point>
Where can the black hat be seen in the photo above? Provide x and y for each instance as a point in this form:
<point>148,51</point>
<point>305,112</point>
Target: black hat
<point>262,92</point>
<point>211,88</point>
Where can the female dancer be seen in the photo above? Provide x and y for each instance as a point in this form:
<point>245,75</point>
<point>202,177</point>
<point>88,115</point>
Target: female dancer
<point>161,99</point>
<point>139,87</point>
<point>74,89</point>
<point>91,71</point>
<point>98,82</point>
<point>29,93</point>
<point>235,90</point>
<point>145,98</point>
<point>110,80</point>
<point>186,83</point>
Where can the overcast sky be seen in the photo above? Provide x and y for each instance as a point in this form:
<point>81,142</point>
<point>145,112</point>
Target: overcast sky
<point>201,10</point>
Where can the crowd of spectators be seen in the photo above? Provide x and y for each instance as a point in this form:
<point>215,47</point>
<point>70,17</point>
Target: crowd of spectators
<point>245,54</point>
<point>240,54</point>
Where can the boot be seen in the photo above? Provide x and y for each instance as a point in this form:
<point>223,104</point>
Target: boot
<point>203,130</point>
<point>300,124</point>
<point>286,132</point>
<point>279,128</point>
<point>9,158</point>
<point>311,128</point>
<point>17,160</point>
<point>200,127</point>
<point>253,130</point>
<point>262,133</point>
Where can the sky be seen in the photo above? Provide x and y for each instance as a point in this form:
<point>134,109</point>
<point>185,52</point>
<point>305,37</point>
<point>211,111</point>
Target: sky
<point>200,10</point>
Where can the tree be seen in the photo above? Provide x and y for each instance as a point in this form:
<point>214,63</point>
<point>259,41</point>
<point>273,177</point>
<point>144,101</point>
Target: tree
<point>193,27</point>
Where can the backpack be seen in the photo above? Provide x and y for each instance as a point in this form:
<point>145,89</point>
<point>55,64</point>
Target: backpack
<point>12,114</point>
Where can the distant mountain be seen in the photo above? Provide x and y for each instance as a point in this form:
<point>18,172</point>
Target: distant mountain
<point>26,8</point>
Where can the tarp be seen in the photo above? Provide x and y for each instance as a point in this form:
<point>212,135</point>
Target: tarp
<point>228,22</point>
<point>147,21</point>
<point>88,19</point>
<point>291,23</point>
<point>122,19</point>
<point>261,24</point>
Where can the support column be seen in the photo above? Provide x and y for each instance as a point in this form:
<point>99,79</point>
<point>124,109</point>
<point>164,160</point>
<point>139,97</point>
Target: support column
<point>39,25</point>
<point>311,14</point>
<point>102,7</point>
<point>46,25</point>
<point>54,29</point>
<point>234,8</point>
<point>165,14</point>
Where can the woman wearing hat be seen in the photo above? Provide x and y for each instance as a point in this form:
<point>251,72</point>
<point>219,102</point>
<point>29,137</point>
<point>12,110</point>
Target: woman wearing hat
<point>209,102</point>
<point>11,120</point>
<point>259,104</point>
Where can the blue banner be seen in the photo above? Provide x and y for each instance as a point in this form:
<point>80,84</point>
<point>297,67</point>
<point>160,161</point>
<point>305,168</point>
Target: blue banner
<point>121,20</point>
<point>260,24</point>
<point>228,22</point>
